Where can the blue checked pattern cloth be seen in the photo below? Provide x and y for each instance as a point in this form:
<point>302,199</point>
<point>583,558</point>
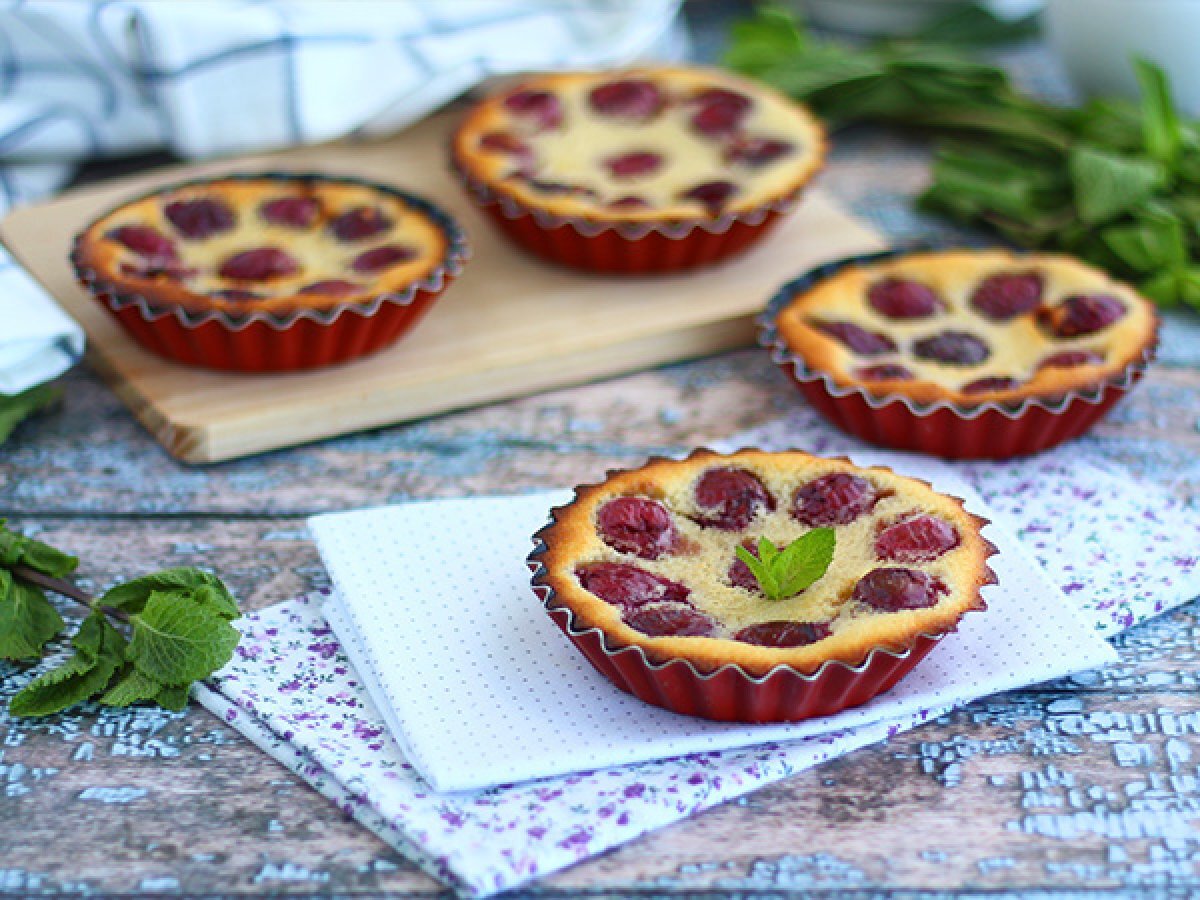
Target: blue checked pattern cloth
<point>83,79</point>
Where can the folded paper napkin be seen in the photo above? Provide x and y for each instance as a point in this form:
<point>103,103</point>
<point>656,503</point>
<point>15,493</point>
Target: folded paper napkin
<point>1110,545</point>
<point>86,79</point>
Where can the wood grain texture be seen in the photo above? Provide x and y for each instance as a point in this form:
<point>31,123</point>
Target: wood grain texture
<point>1084,786</point>
<point>1090,782</point>
<point>509,326</point>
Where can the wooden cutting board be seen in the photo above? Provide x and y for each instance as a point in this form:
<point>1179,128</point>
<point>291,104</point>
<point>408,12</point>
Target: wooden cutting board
<point>509,326</point>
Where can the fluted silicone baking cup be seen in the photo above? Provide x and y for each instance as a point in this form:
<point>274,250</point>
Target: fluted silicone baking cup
<point>730,693</point>
<point>627,248</point>
<point>306,338</point>
<point>987,430</point>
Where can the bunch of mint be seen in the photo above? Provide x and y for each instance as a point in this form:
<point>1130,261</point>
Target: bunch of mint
<point>146,640</point>
<point>1112,182</point>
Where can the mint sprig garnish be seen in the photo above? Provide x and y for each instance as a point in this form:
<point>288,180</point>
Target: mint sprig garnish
<point>785,573</point>
<point>143,641</point>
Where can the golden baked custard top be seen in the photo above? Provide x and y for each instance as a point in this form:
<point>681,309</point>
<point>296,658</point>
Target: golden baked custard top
<point>969,326</point>
<point>272,244</point>
<point>650,557</point>
<point>641,145</point>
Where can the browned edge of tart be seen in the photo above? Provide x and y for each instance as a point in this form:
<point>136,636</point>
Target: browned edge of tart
<point>559,543</point>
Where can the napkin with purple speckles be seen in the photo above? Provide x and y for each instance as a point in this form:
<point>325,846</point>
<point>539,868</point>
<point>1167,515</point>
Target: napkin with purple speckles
<point>1121,550</point>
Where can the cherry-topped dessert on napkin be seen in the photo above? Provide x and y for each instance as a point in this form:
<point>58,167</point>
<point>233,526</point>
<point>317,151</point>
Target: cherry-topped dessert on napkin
<point>644,151</point>
<point>274,250</point>
<point>763,563</point>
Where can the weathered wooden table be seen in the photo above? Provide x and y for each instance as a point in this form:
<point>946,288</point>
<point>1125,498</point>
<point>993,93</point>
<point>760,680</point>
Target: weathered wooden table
<point>1087,783</point>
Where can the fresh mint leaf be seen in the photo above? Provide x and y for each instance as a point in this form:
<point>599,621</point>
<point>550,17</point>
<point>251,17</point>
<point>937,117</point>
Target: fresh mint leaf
<point>1111,124</point>
<point>785,573</point>
<point>762,42</point>
<point>99,652</point>
<point>217,598</point>
<point>131,596</point>
<point>972,23</point>
<point>73,682</point>
<point>1161,127</point>
<point>173,697</point>
<point>27,619</point>
<point>17,549</point>
<point>1154,241</point>
<point>132,687</point>
<point>16,408</point>
<point>1165,288</point>
<point>177,640</point>
<point>805,560</point>
<point>1109,184</point>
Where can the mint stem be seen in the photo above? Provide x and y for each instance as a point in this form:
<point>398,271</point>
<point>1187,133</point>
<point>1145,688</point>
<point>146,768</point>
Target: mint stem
<point>65,588</point>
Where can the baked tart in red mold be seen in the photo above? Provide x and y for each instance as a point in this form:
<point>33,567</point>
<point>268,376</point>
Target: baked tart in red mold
<point>642,573</point>
<point>270,272</point>
<point>644,170</point>
<point>961,353</point>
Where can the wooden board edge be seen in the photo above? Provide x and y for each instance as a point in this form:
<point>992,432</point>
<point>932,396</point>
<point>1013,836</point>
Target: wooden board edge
<point>211,444</point>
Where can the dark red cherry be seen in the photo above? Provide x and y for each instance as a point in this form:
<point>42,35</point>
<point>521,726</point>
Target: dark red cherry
<point>783,634</point>
<point>379,258</point>
<point>547,186</point>
<point>1006,296</point>
<point>1082,314</point>
<point>540,107</point>
<point>259,264</point>
<point>918,538</point>
<point>884,372</point>
<point>730,498</point>
<point>240,294</point>
<point>903,298</point>
<point>360,223</point>
<point>157,268</point>
<point>990,383</point>
<point>739,574</point>
<point>334,286</point>
<point>504,142</point>
<point>713,195</point>
<point>1068,358</point>
<point>637,525</point>
<point>629,202</point>
<point>835,499</point>
<point>955,348</point>
<point>628,586</point>
<point>145,241</point>
<point>755,152</point>
<point>670,620</point>
<point>291,212</point>
<point>510,145</point>
<point>891,590</point>
<point>719,112</point>
<point>857,338</point>
<point>633,165</point>
<point>633,99</point>
<point>200,218</point>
